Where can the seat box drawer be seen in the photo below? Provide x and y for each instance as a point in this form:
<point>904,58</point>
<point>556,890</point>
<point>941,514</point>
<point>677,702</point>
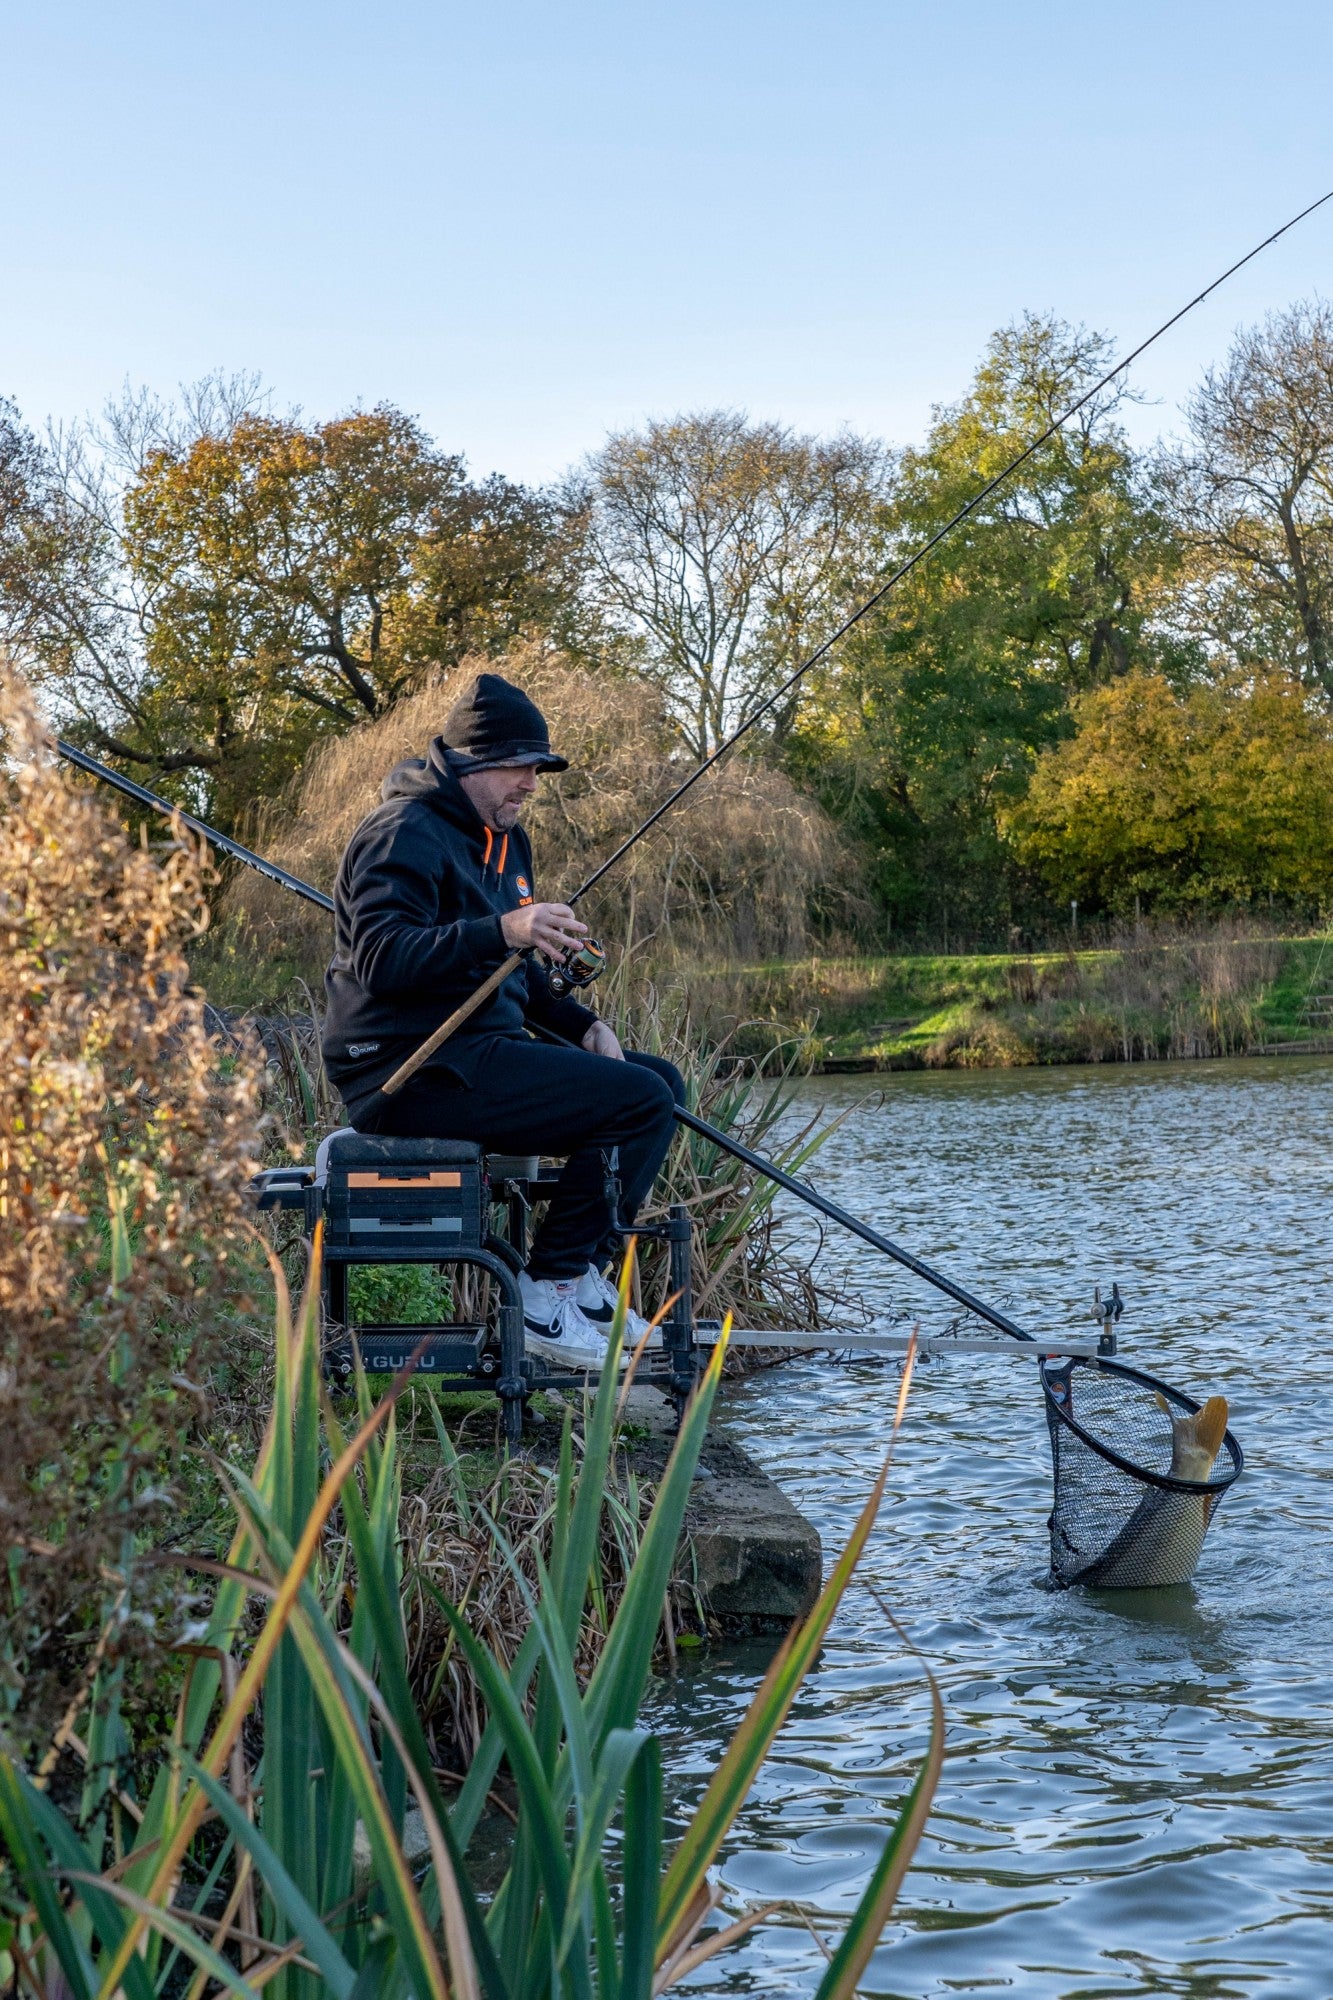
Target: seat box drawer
<point>456,1350</point>
<point>401,1207</point>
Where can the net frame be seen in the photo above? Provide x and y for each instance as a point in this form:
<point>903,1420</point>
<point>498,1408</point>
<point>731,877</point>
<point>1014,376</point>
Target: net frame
<point>1092,1508</point>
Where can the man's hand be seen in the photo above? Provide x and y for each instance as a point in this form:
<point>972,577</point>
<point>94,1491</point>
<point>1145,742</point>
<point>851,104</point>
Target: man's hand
<point>600,1041</point>
<point>551,927</point>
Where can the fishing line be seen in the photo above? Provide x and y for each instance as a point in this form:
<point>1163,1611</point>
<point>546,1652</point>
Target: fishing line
<point>765,707</point>
<point>454,1021</point>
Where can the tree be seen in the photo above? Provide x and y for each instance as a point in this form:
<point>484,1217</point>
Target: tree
<point>1253,490</point>
<point>727,550</point>
<point>242,583</point>
<point>926,728</point>
<point>1216,793</point>
<point>56,562</point>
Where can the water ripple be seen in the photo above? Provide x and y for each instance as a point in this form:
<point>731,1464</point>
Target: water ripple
<point>1136,1797</point>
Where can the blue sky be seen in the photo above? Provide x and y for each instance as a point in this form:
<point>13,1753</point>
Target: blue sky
<point>531,223</point>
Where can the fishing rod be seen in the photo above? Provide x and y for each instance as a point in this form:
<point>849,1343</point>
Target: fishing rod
<point>143,797</point>
<point>502,972</point>
<point>755,1161</point>
<point>812,1197</point>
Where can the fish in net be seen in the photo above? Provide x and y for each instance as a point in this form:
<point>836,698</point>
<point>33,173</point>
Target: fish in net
<point>1140,1471</point>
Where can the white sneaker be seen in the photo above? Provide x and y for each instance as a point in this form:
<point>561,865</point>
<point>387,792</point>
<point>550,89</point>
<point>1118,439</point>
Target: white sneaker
<point>554,1327</point>
<point>597,1300</point>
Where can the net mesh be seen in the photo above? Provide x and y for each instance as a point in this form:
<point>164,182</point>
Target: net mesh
<point>1120,1520</point>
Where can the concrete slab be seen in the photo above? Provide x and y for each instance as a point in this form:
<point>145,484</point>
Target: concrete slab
<point>758,1562</point>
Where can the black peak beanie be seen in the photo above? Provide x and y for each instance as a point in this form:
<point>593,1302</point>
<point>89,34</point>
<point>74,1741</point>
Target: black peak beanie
<point>493,722</point>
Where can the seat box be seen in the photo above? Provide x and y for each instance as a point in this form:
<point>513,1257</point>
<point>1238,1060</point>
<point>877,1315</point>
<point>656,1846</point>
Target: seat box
<point>391,1197</point>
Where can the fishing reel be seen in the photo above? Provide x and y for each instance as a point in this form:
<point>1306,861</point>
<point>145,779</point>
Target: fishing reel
<point>578,968</point>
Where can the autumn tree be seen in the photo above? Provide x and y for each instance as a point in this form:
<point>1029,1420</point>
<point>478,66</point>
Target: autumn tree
<point>727,550</point>
<point>1253,489</point>
<point>1220,792</point>
<point>927,727</point>
<point>235,584</point>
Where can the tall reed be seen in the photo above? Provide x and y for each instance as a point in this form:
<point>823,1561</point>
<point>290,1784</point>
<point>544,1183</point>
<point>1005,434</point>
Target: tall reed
<point>296,1738</point>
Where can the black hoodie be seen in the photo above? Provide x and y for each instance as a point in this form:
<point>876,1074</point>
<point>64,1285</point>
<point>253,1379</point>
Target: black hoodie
<point>417,907</point>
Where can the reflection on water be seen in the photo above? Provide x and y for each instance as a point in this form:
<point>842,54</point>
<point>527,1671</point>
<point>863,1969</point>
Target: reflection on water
<point>1139,1792</point>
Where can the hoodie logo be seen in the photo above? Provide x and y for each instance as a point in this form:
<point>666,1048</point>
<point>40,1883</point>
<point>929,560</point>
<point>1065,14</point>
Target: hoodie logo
<point>355,1049</point>
<point>524,892</point>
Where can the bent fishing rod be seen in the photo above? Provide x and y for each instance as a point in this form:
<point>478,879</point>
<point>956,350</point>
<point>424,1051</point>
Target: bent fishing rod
<point>755,1161</point>
<point>502,972</point>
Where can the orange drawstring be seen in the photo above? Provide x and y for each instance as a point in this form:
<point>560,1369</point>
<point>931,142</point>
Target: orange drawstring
<point>504,849</point>
<point>486,857</point>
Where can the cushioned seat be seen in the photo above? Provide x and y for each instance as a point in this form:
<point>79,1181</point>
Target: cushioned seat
<point>347,1144</point>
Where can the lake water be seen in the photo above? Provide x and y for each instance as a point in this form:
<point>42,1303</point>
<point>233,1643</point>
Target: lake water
<point>1138,1797</point>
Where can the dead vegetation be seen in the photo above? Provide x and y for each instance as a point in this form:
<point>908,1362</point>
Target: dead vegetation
<point>123,1152</point>
<point>747,866</point>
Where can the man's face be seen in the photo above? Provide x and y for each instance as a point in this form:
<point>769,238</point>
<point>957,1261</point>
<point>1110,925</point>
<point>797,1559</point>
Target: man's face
<point>500,794</point>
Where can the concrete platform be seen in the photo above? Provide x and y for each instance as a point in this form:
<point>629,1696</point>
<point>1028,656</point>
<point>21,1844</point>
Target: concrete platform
<point>757,1561</point>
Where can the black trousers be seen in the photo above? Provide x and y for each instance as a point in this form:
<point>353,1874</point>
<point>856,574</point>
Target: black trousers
<point>529,1097</point>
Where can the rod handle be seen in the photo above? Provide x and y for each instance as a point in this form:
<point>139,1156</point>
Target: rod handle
<point>455,1020</point>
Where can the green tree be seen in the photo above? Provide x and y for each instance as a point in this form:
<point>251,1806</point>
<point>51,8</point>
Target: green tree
<point>58,565</point>
<point>303,577</point>
<point>926,727</point>
<point>204,591</point>
<point>1217,793</point>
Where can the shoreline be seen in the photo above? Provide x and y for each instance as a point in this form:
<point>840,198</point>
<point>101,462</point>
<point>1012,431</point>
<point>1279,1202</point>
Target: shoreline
<point>907,1065</point>
<point>1229,990</point>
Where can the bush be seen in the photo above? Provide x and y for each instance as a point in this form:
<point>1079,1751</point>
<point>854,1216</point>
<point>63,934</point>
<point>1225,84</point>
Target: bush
<point>1218,795</point>
<point>115,1131</point>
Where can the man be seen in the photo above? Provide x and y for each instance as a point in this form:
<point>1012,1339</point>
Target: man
<point>433,893</point>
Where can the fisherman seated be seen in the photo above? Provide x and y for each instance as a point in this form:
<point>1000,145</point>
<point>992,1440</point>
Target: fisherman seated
<point>433,893</point>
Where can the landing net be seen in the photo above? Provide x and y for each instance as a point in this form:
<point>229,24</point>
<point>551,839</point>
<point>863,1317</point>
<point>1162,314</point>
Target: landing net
<point>1120,1520</point>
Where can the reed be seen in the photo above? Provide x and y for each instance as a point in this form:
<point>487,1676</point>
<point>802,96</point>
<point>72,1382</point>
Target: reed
<point>297,1737</point>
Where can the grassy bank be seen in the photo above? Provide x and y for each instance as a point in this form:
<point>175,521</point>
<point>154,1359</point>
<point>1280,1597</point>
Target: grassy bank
<point>1224,991</point>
